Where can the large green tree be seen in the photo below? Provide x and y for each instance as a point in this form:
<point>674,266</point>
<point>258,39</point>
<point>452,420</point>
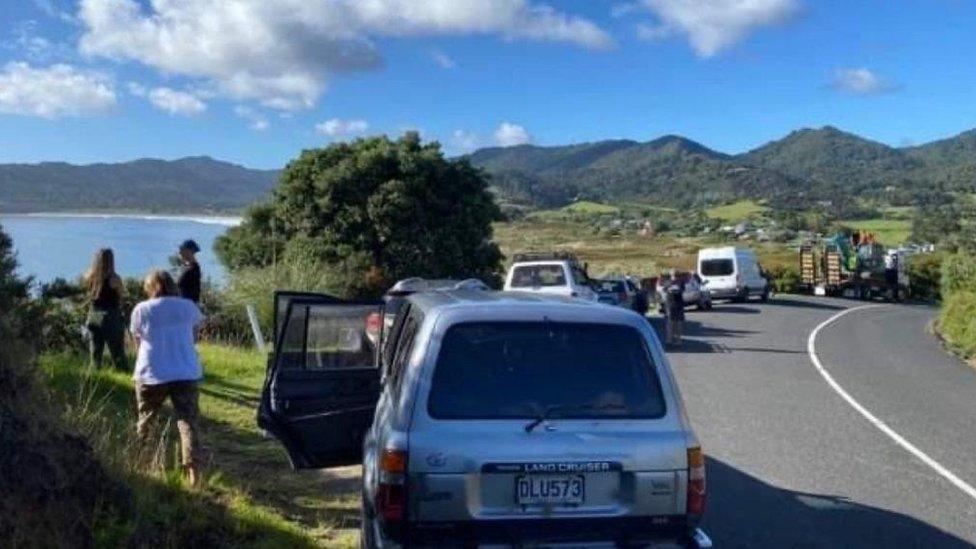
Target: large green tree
<point>383,209</point>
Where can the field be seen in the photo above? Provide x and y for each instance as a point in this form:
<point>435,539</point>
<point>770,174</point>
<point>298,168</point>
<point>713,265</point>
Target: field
<point>625,253</point>
<point>890,231</point>
<point>737,211</point>
<point>251,497</point>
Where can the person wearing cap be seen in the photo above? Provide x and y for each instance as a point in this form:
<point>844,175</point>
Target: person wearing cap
<point>188,278</point>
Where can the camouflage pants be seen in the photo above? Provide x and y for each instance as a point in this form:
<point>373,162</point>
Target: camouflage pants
<point>185,397</point>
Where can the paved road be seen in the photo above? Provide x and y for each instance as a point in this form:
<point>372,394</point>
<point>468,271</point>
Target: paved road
<point>795,465</point>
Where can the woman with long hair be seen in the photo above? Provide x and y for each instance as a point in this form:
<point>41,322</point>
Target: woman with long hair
<point>105,324</point>
<point>164,329</point>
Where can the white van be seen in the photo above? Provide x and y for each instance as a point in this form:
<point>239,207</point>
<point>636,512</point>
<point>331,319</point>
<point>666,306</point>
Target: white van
<point>732,273</point>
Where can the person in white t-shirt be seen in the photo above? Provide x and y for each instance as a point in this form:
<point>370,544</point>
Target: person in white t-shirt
<point>164,330</point>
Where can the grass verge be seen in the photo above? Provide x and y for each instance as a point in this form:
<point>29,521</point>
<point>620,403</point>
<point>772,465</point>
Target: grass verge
<point>737,211</point>
<point>957,323</point>
<point>251,497</point>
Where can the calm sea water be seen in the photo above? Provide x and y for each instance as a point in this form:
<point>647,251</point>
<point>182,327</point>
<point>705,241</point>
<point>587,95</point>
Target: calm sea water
<point>51,246</point>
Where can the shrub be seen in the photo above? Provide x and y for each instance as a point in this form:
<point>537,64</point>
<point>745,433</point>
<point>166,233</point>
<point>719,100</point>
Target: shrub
<point>958,273</point>
<point>785,278</point>
<point>924,276</point>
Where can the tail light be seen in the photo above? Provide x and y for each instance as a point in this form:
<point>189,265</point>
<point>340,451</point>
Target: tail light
<point>391,492</point>
<point>696,482</point>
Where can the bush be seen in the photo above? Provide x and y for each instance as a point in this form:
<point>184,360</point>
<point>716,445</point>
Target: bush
<point>785,278</point>
<point>958,273</point>
<point>925,276</point>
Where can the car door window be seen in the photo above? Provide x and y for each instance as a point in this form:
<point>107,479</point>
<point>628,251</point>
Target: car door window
<point>407,340</point>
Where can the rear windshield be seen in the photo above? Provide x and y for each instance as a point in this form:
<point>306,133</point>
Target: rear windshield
<point>717,267</point>
<point>615,286</point>
<point>502,370</point>
<point>538,275</point>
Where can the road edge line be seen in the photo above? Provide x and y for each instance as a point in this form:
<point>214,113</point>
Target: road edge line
<point>874,420</point>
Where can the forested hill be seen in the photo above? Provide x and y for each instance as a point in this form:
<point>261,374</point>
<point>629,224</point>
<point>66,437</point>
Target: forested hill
<point>195,184</point>
<point>806,165</point>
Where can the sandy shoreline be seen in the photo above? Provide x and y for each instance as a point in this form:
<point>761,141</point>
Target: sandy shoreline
<point>227,221</point>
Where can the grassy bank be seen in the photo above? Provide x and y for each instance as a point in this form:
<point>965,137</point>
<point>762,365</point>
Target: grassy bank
<point>957,321</point>
<point>251,497</point>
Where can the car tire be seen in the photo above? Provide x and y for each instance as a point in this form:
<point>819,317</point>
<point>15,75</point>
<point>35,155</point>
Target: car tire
<point>765,295</point>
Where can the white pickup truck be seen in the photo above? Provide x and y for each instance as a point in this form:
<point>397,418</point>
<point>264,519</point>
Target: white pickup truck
<point>552,274</point>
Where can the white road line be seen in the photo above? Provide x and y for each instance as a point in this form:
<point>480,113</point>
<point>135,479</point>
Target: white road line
<point>914,450</point>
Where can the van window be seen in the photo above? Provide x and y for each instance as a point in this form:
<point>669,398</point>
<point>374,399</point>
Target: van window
<point>529,276</point>
<point>717,267</point>
<point>512,370</point>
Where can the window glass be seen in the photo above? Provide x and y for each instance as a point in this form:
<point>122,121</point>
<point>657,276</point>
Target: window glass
<point>293,341</point>
<point>717,267</point>
<point>528,276</point>
<point>614,286</point>
<point>580,278</point>
<point>521,369</point>
<point>337,337</point>
<point>405,349</point>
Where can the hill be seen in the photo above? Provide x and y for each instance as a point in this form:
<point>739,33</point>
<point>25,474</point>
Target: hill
<point>806,166</point>
<point>671,170</point>
<point>194,184</point>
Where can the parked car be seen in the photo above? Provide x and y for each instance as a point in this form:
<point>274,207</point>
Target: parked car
<point>696,292</point>
<point>622,291</point>
<point>550,273</point>
<point>732,273</point>
<point>500,418</point>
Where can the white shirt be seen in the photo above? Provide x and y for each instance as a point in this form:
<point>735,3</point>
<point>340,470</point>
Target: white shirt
<point>165,327</point>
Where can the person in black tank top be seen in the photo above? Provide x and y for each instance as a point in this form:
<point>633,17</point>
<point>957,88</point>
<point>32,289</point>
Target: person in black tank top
<point>105,323</point>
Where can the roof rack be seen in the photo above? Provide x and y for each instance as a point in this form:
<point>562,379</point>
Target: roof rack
<point>546,256</point>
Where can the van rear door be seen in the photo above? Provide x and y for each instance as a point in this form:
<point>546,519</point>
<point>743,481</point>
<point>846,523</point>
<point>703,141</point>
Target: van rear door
<point>323,380</point>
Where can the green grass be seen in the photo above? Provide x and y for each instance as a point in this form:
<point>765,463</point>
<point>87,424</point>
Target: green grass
<point>251,497</point>
<point>587,207</point>
<point>737,211</point>
<point>891,232</point>
<point>957,322</point>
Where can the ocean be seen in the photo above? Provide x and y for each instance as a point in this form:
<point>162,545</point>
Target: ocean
<point>50,246</point>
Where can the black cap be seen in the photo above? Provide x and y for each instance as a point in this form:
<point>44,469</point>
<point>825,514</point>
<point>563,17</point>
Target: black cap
<point>190,245</point>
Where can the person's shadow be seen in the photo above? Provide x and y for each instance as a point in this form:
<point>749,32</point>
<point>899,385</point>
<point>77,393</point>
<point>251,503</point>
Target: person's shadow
<point>744,511</point>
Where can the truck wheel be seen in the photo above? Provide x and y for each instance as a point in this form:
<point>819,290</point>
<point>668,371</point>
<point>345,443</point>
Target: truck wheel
<point>765,295</point>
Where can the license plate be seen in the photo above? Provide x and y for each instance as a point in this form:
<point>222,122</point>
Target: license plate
<point>549,489</point>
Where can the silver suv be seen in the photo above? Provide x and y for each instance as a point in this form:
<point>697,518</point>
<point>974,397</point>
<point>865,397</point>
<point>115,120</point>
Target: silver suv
<point>500,418</point>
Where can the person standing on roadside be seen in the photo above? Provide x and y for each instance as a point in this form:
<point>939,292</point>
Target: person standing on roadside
<point>105,323</point>
<point>163,328</point>
<point>189,277</point>
<point>891,274</point>
<point>674,307</point>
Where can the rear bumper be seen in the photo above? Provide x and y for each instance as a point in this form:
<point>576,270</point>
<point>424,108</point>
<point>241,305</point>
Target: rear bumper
<point>667,530</point>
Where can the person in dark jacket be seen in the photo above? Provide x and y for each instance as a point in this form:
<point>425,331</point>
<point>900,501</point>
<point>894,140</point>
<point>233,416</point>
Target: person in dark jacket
<point>188,278</point>
<point>674,310</point>
<point>105,323</point>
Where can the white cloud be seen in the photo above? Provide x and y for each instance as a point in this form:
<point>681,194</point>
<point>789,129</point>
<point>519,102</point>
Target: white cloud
<point>284,53</point>
<point>336,127</point>
<point>508,135</point>
<point>443,60</point>
<point>464,141</point>
<point>176,102</point>
<point>257,121</point>
<point>137,89</point>
<point>55,91</point>
<point>860,81</point>
<point>715,25</point>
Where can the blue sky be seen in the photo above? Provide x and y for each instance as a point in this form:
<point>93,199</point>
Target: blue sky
<point>255,82</point>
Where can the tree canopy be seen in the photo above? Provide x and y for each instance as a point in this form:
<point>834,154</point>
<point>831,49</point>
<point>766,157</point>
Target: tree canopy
<point>379,208</point>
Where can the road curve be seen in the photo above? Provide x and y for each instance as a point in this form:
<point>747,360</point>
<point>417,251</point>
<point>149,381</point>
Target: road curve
<point>792,463</point>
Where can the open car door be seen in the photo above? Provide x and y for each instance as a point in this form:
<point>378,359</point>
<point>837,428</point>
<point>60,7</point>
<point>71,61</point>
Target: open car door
<point>323,378</point>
